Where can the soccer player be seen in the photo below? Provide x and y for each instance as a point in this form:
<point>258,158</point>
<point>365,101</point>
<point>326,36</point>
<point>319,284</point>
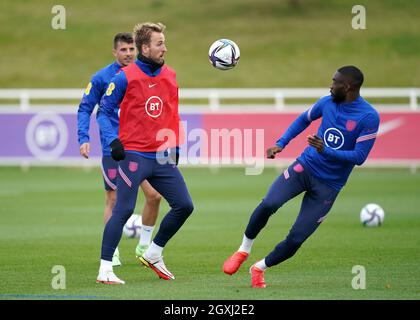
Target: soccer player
<point>124,52</point>
<point>344,139</point>
<point>146,93</point>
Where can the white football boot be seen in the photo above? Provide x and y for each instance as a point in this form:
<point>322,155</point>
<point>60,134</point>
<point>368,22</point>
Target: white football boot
<point>108,277</point>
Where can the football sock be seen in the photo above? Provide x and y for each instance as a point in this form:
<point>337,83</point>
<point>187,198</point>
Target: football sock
<point>246,244</point>
<point>261,265</point>
<point>146,233</point>
<point>154,251</point>
<point>106,265</point>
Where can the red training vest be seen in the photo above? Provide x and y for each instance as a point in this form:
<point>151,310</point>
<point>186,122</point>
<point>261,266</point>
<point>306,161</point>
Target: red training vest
<point>149,118</point>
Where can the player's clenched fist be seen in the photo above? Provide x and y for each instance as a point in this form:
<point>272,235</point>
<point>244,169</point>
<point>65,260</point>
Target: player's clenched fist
<point>117,150</point>
<point>271,152</point>
<point>316,142</point>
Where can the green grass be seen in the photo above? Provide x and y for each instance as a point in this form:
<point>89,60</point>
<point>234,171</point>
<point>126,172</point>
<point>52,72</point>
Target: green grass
<point>53,216</point>
<point>281,45</point>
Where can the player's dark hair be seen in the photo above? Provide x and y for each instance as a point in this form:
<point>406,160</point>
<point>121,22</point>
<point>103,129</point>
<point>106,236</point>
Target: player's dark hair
<point>125,37</point>
<point>354,74</point>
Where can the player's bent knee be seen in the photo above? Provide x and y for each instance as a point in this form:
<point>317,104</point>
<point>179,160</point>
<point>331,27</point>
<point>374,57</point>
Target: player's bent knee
<point>294,241</point>
<point>269,207</point>
<point>154,198</point>
<point>187,207</point>
<point>123,213</point>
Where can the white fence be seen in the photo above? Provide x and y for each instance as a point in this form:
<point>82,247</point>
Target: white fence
<point>214,96</point>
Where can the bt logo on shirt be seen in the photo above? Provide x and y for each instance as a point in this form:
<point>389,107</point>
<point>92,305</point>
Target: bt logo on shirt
<point>333,138</point>
<point>154,106</point>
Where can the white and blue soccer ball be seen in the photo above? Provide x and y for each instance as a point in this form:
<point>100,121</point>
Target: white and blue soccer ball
<point>133,226</point>
<point>372,215</point>
<point>224,54</point>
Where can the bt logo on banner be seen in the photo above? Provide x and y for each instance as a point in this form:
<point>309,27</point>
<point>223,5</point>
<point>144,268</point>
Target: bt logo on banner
<point>46,136</point>
<point>333,138</point>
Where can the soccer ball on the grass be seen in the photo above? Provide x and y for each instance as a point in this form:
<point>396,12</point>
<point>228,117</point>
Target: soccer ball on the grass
<point>372,215</point>
<point>224,54</point>
<point>133,226</point>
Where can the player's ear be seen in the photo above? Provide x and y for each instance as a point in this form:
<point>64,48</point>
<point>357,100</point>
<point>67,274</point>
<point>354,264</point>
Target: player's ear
<point>348,87</point>
<point>114,52</point>
<point>144,49</point>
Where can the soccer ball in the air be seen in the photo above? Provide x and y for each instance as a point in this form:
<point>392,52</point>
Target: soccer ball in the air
<point>133,226</point>
<point>372,215</point>
<point>224,54</point>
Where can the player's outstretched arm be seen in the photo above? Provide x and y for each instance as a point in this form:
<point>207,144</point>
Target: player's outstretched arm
<point>301,123</point>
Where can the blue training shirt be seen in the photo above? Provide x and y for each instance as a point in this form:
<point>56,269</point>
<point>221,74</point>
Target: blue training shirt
<point>92,96</point>
<point>348,130</point>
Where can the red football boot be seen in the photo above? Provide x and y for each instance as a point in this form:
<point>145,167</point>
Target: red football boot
<point>233,263</point>
<point>257,277</point>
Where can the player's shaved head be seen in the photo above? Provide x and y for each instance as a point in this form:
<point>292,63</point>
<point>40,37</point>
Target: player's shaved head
<point>346,84</point>
<point>353,75</point>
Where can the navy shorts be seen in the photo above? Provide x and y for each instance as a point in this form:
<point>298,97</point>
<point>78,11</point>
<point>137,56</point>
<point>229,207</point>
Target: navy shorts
<point>109,173</point>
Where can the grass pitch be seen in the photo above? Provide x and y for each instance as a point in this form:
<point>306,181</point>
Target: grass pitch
<point>53,216</point>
